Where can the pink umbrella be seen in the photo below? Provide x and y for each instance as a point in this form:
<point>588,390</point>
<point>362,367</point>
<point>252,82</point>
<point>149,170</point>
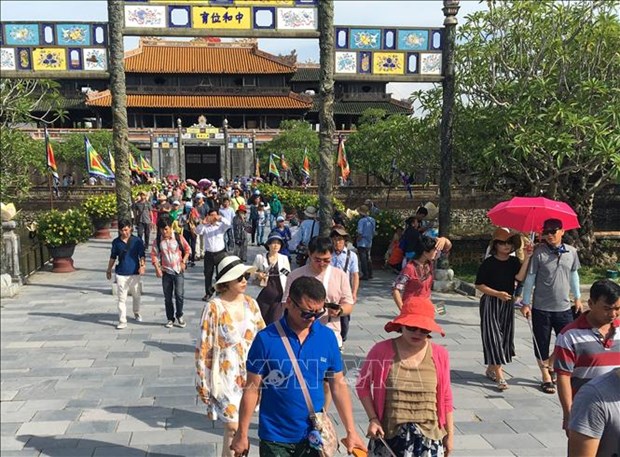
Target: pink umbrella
<point>204,182</point>
<point>191,182</point>
<point>527,214</point>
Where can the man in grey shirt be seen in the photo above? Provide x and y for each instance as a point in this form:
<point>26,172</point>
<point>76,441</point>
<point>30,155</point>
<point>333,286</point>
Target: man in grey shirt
<point>552,274</point>
<point>142,217</point>
<point>594,426</point>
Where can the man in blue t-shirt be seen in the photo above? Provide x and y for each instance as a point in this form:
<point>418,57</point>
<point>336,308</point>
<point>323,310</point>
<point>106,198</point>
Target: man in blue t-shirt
<point>284,424</point>
<point>366,227</point>
<point>129,250</point>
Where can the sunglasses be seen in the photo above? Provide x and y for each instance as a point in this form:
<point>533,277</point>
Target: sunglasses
<point>550,232</point>
<point>245,276</point>
<point>305,314</point>
<point>417,329</point>
<point>503,243</point>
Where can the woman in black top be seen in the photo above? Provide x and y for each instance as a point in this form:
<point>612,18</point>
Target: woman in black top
<point>496,280</point>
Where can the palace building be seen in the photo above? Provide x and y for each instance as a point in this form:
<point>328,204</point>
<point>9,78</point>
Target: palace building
<point>236,89</point>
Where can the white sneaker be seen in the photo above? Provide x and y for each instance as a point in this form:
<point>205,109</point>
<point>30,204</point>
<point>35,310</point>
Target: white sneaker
<point>181,322</point>
<point>121,325</point>
<point>169,324</point>
<point>137,317</point>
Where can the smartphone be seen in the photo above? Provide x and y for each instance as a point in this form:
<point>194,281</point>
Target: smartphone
<point>332,305</point>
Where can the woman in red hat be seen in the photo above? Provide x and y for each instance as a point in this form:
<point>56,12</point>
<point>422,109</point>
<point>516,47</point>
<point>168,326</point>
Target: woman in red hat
<point>404,386</point>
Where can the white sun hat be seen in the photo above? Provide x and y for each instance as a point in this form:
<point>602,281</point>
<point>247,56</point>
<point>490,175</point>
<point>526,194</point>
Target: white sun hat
<point>230,268</point>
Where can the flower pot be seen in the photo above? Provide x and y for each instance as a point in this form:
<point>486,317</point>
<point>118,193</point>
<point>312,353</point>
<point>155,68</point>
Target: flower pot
<point>62,261</point>
<point>102,229</point>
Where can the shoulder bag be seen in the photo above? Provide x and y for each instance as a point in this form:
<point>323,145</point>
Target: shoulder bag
<point>321,422</point>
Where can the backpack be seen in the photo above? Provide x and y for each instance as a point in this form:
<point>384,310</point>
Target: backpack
<point>176,236</point>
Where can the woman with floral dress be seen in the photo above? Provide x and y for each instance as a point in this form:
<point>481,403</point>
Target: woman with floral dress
<point>229,323</point>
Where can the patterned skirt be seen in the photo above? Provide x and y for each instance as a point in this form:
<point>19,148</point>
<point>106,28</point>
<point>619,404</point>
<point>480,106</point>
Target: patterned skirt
<point>497,327</point>
<point>408,442</point>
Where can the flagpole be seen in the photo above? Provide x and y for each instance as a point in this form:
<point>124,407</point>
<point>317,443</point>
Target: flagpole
<point>49,174</point>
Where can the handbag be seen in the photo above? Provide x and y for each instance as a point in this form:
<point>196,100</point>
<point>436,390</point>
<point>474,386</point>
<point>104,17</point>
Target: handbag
<point>321,422</point>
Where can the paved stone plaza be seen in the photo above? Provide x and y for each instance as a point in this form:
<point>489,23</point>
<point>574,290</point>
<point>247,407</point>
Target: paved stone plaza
<point>73,385</point>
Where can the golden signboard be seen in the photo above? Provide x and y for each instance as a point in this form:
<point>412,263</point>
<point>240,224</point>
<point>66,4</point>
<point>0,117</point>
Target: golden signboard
<point>217,17</point>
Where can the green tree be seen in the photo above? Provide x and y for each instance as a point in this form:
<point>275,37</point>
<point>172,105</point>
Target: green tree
<point>381,140</point>
<point>20,155</point>
<point>538,101</point>
<point>295,137</point>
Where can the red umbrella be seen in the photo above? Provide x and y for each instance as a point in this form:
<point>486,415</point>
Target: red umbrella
<point>527,214</point>
<point>172,177</point>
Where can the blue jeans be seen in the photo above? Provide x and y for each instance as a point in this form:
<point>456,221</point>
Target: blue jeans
<point>260,231</point>
<point>173,282</point>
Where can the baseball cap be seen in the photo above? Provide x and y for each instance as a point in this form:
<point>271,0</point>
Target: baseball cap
<point>280,219</point>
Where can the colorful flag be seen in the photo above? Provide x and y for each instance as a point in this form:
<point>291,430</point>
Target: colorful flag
<point>305,169</point>
<point>283,163</point>
<point>273,169</point>
<point>49,152</point>
<point>112,162</point>
<point>133,165</point>
<point>94,163</point>
<point>342,162</point>
<point>145,165</point>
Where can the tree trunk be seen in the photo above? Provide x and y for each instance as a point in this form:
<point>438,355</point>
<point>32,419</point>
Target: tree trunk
<point>447,118</point>
<point>326,114</point>
<point>119,109</point>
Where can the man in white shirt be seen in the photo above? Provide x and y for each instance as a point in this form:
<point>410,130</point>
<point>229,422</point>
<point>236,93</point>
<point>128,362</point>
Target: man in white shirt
<point>212,230</point>
<point>228,213</point>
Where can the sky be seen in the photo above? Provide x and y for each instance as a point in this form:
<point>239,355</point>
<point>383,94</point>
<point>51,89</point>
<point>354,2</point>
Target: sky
<point>404,13</point>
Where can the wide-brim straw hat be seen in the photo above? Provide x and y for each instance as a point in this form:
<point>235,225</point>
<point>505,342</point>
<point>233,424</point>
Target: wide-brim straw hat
<point>363,210</point>
<point>231,268</point>
<point>310,211</point>
<point>504,234</point>
<point>416,312</point>
<point>432,209</point>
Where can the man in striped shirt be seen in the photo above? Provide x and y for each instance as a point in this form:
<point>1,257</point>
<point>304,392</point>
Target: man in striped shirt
<point>589,346</point>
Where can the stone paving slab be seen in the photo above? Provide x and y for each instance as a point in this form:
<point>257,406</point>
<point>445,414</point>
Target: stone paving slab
<point>72,385</point>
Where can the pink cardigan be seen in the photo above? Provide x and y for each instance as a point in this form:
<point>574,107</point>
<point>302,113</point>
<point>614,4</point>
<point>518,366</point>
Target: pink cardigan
<point>376,368</point>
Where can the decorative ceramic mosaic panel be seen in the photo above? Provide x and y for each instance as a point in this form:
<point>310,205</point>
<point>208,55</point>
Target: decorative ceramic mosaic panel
<point>240,18</point>
<point>61,47</point>
<point>405,53</point>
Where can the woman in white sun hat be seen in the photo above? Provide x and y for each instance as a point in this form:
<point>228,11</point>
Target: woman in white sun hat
<point>229,323</point>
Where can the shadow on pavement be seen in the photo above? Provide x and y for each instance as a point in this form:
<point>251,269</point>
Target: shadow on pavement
<point>106,319</point>
<point>104,290</point>
<point>62,447</point>
<point>174,348</point>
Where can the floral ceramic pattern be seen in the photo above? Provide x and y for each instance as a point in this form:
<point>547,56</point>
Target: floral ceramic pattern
<point>389,63</point>
<point>365,39</point>
<point>7,59</point>
<point>95,59</point>
<point>346,62</point>
<point>430,64</point>
<point>413,40</point>
<point>297,19</point>
<point>22,34</point>
<point>145,16</point>
<point>73,34</point>
<point>49,59</point>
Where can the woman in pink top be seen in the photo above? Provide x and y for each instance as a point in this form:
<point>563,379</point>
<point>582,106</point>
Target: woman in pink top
<point>404,386</point>
<point>416,278</point>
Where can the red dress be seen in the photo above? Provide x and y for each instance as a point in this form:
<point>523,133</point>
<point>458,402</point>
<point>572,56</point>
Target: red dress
<point>415,280</point>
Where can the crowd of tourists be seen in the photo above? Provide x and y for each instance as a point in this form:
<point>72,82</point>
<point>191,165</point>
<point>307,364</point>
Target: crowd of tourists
<point>281,351</point>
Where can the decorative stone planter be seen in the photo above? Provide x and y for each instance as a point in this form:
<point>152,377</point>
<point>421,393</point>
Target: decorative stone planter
<point>62,261</point>
<point>102,229</point>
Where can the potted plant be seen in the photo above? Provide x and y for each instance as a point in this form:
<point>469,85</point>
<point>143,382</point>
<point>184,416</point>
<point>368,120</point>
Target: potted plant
<point>61,231</point>
<point>101,209</point>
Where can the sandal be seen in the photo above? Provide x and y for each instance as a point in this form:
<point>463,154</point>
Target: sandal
<point>547,387</point>
<point>490,375</point>
<point>502,384</point>
<point>554,376</point>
